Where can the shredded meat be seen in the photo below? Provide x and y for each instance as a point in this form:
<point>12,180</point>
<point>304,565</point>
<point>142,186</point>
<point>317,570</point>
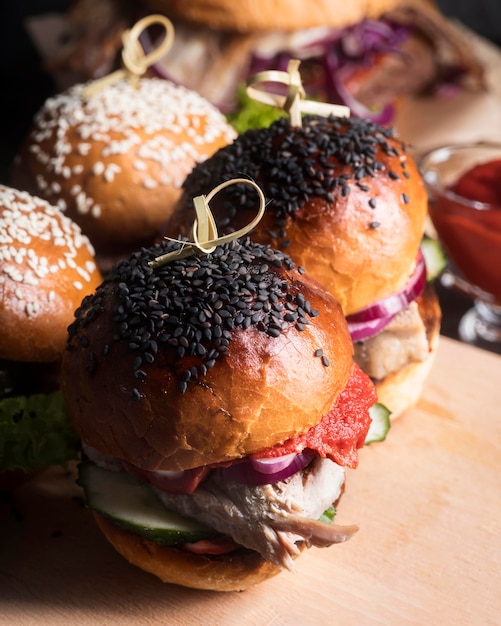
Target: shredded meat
<point>403,341</point>
<point>270,519</point>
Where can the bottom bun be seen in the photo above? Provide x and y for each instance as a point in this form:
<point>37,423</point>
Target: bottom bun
<point>235,571</point>
<point>401,390</point>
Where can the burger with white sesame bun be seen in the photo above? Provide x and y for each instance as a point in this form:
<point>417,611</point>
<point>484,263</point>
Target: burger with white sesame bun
<point>368,54</point>
<point>218,401</point>
<point>114,161</point>
<point>46,267</point>
<point>347,202</point>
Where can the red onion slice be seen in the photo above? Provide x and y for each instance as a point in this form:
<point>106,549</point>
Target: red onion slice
<point>264,471</point>
<point>272,465</point>
<point>371,320</point>
<point>363,330</point>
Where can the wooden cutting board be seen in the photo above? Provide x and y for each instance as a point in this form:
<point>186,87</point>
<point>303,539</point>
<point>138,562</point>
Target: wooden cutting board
<point>428,502</point>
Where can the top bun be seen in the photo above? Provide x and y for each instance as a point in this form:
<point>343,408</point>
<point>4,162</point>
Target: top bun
<point>205,359</point>
<point>250,16</point>
<point>345,201</point>
<point>115,161</point>
<point>46,268</point>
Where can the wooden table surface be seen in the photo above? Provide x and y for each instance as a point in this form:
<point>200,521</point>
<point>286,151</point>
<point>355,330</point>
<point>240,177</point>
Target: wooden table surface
<point>428,502</point>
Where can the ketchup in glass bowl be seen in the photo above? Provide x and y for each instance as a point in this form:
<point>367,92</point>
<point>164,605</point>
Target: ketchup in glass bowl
<point>464,190</point>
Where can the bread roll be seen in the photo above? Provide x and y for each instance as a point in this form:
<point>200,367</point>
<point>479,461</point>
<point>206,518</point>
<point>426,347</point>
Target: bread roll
<point>114,161</point>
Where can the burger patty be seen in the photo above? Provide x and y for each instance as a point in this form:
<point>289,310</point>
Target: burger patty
<point>270,519</point>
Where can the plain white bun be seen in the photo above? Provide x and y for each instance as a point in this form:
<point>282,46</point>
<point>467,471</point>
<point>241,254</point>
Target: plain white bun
<point>234,571</point>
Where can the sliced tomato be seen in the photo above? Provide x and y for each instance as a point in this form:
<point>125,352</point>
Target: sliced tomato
<point>171,482</point>
<point>218,545</point>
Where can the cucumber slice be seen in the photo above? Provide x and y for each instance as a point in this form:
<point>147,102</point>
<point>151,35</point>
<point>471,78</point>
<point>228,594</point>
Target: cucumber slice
<point>134,506</point>
<point>434,257</point>
<point>380,424</point>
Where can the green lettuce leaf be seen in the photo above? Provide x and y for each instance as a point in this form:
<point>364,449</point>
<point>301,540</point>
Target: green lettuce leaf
<point>328,515</point>
<point>35,433</point>
<point>252,114</point>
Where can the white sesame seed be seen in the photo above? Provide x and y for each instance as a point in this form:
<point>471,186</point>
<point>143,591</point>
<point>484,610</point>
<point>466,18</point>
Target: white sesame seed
<point>98,168</point>
<point>24,219</point>
<point>32,308</point>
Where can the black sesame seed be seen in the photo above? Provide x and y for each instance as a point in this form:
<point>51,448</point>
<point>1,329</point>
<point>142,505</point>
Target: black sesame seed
<point>175,312</point>
<point>405,198</point>
<point>325,361</point>
<point>374,224</point>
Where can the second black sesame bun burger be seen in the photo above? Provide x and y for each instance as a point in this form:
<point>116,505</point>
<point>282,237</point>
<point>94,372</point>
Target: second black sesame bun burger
<point>223,384</point>
<point>114,161</point>
<point>347,202</point>
<point>47,266</point>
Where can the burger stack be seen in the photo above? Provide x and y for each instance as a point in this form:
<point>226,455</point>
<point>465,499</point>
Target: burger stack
<point>347,202</point>
<point>220,394</point>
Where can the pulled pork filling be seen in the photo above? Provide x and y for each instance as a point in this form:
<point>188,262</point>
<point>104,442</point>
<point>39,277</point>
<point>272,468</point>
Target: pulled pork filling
<point>402,342</point>
<point>270,519</point>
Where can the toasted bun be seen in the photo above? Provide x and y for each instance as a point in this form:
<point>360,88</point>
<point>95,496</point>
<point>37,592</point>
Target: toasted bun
<point>140,386</point>
<point>235,571</point>
<point>401,390</point>
<point>115,161</point>
<point>345,201</point>
<point>248,16</point>
<point>46,268</point>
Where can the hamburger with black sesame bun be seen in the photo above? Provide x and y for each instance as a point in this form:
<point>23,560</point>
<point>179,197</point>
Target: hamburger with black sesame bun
<point>46,267</point>
<point>347,202</point>
<point>114,158</point>
<point>218,401</point>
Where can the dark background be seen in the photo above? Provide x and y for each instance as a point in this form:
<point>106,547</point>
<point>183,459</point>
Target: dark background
<point>24,86</point>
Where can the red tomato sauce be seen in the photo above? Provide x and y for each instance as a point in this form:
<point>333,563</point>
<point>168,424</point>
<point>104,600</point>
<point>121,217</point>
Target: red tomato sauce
<point>342,430</point>
<point>472,237</point>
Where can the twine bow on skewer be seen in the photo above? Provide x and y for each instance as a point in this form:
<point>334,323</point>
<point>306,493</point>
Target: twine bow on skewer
<point>294,103</point>
<point>205,235</point>
<point>135,61</point>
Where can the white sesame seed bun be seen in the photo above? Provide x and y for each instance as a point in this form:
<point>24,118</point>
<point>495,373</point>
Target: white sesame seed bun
<point>115,161</point>
<point>47,267</point>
